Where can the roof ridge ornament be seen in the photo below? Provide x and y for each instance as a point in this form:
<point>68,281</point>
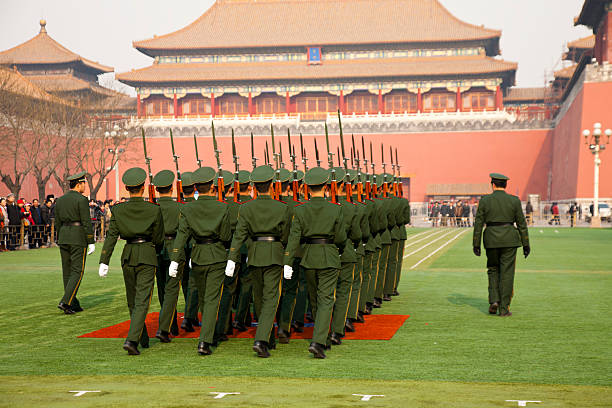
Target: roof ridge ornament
<point>43,24</point>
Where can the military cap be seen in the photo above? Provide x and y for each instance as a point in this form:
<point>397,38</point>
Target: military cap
<point>261,174</point>
<point>300,175</point>
<point>352,175</point>
<point>340,174</point>
<point>203,175</point>
<point>134,177</point>
<point>79,176</point>
<point>316,176</point>
<point>284,175</point>
<point>389,177</point>
<point>164,178</point>
<point>244,176</point>
<point>187,179</point>
<point>498,176</point>
<point>379,180</point>
<point>228,178</point>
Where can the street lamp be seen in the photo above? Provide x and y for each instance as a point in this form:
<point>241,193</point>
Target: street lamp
<point>116,169</point>
<point>596,144</point>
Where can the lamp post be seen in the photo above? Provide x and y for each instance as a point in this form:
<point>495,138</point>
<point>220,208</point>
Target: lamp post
<point>596,144</point>
<point>114,133</point>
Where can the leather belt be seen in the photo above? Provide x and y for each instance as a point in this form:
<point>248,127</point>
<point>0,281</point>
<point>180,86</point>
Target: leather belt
<point>319,241</point>
<point>138,240</point>
<point>73,224</point>
<point>170,236</point>
<point>498,224</point>
<point>205,240</point>
<point>266,239</point>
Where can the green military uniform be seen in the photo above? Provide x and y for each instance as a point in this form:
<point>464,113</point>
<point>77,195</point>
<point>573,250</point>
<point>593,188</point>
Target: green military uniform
<point>190,291</point>
<point>387,221</point>
<point>207,221</point>
<point>266,222</point>
<point>364,226</point>
<point>140,223</point>
<point>75,232</point>
<point>168,288</point>
<point>372,248</point>
<point>405,216</point>
<point>396,235</point>
<point>500,212</point>
<point>320,224</point>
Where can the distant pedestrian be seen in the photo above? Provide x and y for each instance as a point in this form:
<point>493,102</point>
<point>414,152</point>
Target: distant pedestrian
<point>529,212</point>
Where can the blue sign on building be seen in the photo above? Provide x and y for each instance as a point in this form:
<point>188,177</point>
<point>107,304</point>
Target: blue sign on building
<point>314,55</point>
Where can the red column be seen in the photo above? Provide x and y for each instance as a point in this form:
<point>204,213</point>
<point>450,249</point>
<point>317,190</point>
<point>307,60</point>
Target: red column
<point>250,104</point>
<point>138,106</point>
<point>287,102</point>
<point>458,103</point>
<point>499,101</point>
<point>175,106</point>
<point>419,101</point>
<point>341,102</point>
<point>381,106</point>
<point>212,104</point>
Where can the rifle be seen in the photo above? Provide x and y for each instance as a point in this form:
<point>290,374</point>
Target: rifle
<point>330,162</point>
<point>195,142</point>
<point>317,154</point>
<point>220,185</point>
<point>382,159</point>
<point>294,183</point>
<point>374,189</point>
<point>276,158</point>
<point>305,163</point>
<point>347,178</point>
<point>254,161</point>
<point>148,161</point>
<point>400,185</point>
<point>368,185</point>
<point>266,156</point>
<point>236,182</point>
<point>355,153</point>
<point>179,183</point>
<point>394,185</point>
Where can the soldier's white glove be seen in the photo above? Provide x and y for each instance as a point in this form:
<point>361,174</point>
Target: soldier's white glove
<point>190,264</point>
<point>173,269</point>
<point>91,248</point>
<point>229,268</point>
<point>103,270</point>
<point>287,272</point>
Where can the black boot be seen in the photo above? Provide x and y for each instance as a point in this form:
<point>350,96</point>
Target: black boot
<point>317,350</point>
<point>187,326</point>
<point>336,339</point>
<point>204,349</point>
<point>65,308</point>
<point>163,336</point>
<point>261,348</point>
<point>131,347</point>
<point>283,336</point>
<point>348,326</point>
<point>360,318</point>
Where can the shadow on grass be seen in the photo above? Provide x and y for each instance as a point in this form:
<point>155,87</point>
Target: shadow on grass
<point>97,299</point>
<point>480,304</point>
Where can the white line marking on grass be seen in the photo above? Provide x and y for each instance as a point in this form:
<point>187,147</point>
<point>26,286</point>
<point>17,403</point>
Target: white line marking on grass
<point>424,238</point>
<point>416,235</point>
<point>439,248</point>
<point>367,397</point>
<point>427,244</point>
<point>79,393</point>
<point>521,403</point>
<point>223,394</point>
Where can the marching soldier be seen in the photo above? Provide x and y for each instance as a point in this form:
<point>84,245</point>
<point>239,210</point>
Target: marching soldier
<point>75,239</point>
<point>372,252</point>
<point>387,220</point>
<point>319,223</point>
<point>140,223</point>
<point>167,288</point>
<point>405,213</point>
<point>266,222</point>
<point>505,231</point>
<point>395,207</point>
<point>207,221</point>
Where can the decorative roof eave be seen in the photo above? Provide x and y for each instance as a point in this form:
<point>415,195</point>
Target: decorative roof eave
<point>592,13</point>
<point>16,83</point>
<point>319,23</point>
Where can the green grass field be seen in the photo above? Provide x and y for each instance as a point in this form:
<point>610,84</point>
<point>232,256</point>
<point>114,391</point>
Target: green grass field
<point>557,348</point>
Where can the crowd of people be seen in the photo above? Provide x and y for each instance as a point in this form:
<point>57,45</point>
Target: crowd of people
<point>451,213</point>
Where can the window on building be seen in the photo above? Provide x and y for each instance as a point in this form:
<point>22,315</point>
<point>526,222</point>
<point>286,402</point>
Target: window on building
<point>478,100</point>
<point>270,104</point>
<point>400,102</point>
<point>234,105</point>
<point>160,107</point>
<point>439,101</point>
<point>362,103</point>
<point>196,106</point>
<point>328,103</point>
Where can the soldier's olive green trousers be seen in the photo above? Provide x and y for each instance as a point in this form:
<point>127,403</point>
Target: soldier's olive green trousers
<point>400,262</point>
<point>343,297</point>
<point>230,286</point>
<point>356,289</point>
<point>365,282</point>
<point>501,263</point>
<point>267,286</point>
<point>389,284</point>
<point>322,294</point>
<point>191,297</point>
<point>167,315</point>
<point>376,256</point>
<point>139,284</point>
<point>382,271</point>
<point>209,281</point>
<point>73,266</point>
<point>288,300</point>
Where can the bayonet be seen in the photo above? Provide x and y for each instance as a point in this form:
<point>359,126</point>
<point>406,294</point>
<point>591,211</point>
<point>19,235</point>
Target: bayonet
<point>179,183</point>
<point>276,158</point>
<point>399,176</point>
<point>305,163</point>
<point>294,183</point>
<point>254,159</point>
<point>382,160</point>
<point>236,168</point>
<point>266,156</point>
<point>220,184</point>
<point>368,185</point>
<point>195,142</point>
<point>355,155</point>
<point>148,162</point>
<point>317,154</point>
<point>347,177</point>
<point>330,162</point>
<point>373,183</point>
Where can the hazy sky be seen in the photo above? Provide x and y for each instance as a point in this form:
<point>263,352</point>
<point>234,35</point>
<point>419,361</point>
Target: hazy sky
<point>534,32</point>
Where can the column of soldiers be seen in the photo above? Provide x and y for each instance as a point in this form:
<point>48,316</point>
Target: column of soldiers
<point>330,238</point>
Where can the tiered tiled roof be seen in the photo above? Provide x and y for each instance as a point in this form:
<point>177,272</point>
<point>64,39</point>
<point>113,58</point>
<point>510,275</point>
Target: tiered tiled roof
<point>582,43</point>
<point>526,94</point>
<point>565,73</point>
<point>299,23</point>
<point>42,49</point>
<point>13,82</point>
<point>376,68</point>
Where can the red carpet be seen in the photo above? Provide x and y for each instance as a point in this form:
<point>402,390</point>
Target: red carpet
<point>376,327</point>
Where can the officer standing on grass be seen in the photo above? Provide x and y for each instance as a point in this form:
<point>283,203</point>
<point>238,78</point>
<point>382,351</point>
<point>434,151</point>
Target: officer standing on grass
<point>75,239</point>
<point>140,223</point>
<point>505,231</point>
